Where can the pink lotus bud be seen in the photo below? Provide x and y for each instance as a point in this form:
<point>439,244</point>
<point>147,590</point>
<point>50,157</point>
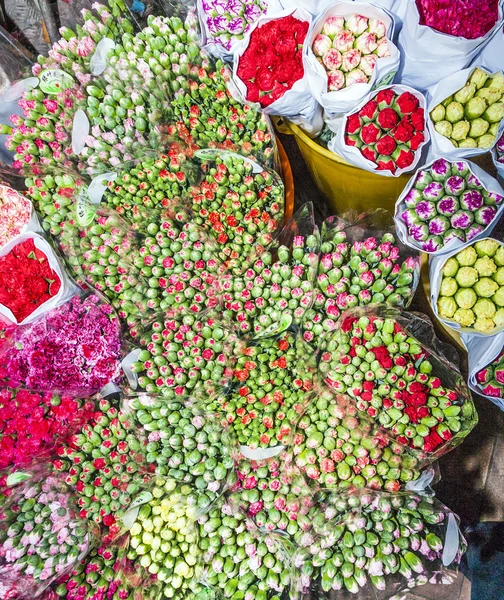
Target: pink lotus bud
<point>332,59</point>
<point>343,41</point>
<point>366,43</point>
<point>377,27</point>
<point>335,81</point>
<point>355,76</point>
<point>382,49</point>
<point>333,25</point>
<point>368,64</point>
<point>321,45</point>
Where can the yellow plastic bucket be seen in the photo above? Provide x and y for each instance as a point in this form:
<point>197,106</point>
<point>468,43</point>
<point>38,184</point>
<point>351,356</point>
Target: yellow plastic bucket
<point>346,187</point>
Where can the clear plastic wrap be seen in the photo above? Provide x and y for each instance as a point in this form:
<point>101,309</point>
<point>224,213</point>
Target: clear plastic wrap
<point>486,362</point>
<point>335,446</point>
<point>466,288</point>
<point>269,391</point>
<point>371,545</point>
<point>361,262</point>
<point>106,463</point>
<point>74,348</point>
<point>32,424</point>
<point>41,537</point>
<point>396,371</point>
<point>277,283</point>
<point>186,356</point>
<point>446,203</point>
<point>185,442</point>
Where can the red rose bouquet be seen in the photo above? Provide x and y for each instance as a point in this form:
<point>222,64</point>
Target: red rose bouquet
<point>27,278</point>
<point>273,60</point>
<point>388,130</point>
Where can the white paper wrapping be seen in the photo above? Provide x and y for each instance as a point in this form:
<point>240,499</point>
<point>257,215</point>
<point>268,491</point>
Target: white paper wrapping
<point>67,288</point>
<point>353,155</point>
<point>342,101</point>
<point>490,56</point>
<point>481,353</point>
<point>297,104</point>
<point>436,264</point>
<point>441,145</point>
<point>427,55</point>
<point>489,183</point>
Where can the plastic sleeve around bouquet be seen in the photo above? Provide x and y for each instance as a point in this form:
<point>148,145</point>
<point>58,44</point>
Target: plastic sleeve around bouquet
<point>105,462</point>
<point>268,393</point>
<point>486,367</point>
<point>446,203</point>
<point>361,262</point>
<point>398,373</point>
<point>74,348</point>
<point>186,442</point>
<point>41,536</point>
<point>238,201</point>
<point>276,285</point>
<point>466,288</point>
<point>251,563</point>
<point>17,215</point>
<point>498,156</point>
<point>32,424</point>
<point>190,356</point>
<point>336,446</point>
<point>372,545</point>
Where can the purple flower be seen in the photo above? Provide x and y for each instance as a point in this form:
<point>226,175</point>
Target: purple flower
<point>493,198</point>
<point>413,197</point>
<point>235,7</point>
<point>419,232</point>
<point>473,183</point>
<point>426,210</point>
<point>462,219</point>
<point>485,215</point>
<point>440,169</point>
<point>253,12</point>
<point>474,231</point>
<point>455,185</point>
<point>455,235</point>
<point>236,25</point>
<point>471,200</point>
<point>448,206</point>
<point>434,191</point>
<point>439,225</point>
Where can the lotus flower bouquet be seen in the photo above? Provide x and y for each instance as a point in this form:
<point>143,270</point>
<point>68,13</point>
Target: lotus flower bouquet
<point>388,130</point>
<point>15,214</point>
<point>349,48</point>
<point>470,117</point>
<point>490,380</point>
<point>446,204</point>
<point>459,19</point>
<point>499,154</point>
<point>467,292</point>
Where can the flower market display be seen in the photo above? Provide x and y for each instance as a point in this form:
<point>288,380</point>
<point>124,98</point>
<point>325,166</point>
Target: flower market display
<point>470,287</point>
<point>388,130</point>
<point>348,48</point>
<point>204,394</point>
<point>447,202</point>
<point>470,117</point>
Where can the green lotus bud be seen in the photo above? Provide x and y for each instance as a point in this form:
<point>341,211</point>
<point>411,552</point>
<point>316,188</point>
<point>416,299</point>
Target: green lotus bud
<point>478,78</point>
<point>489,248</point>
<point>460,130</point>
<point>444,128</point>
<point>475,108</point>
<point>486,141</point>
<point>455,112</point>
<point>466,93</point>
<point>447,101</point>
<point>496,82</point>
<point>438,113</point>
<point>464,317</point>
<point>452,266</point>
<point>478,127</point>
<point>494,129</point>
<point>468,143</point>
<point>494,113</point>
<point>447,307</point>
<point>466,298</point>
<point>489,95</point>
<point>484,309</point>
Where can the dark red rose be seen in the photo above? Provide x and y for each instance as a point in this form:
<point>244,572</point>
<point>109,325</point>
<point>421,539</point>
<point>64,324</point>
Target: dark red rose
<point>385,163</point>
<point>418,119</point>
<point>246,68</point>
<point>385,98</point>
<point>403,132</point>
<point>407,103</point>
<point>387,118</point>
<point>370,133</point>
<point>300,30</point>
<point>353,124</point>
<point>368,111</point>
<point>265,100</point>
<point>252,92</point>
<point>279,90</point>
<point>386,145</point>
<point>369,153</point>
<point>285,45</point>
<point>265,79</point>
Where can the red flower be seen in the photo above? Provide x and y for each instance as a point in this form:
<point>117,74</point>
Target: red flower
<point>369,153</point>
<point>385,97</point>
<point>353,124</point>
<point>352,140</point>
<point>407,103</point>
<point>368,111</point>
<point>416,141</point>
<point>403,132</point>
<point>99,463</point>
<point>388,118</point>
<point>369,133</point>
<point>418,119</point>
<point>404,158</point>
<point>386,145</point>
<point>385,164</point>
<point>432,441</point>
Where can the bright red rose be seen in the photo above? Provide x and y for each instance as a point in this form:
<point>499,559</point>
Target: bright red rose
<point>407,103</point>
<point>417,140</point>
<point>403,132</point>
<point>386,145</point>
<point>387,118</point>
<point>370,133</point>
<point>368,111</point>
<point>252,92</point>
<point>404,158</point>
<point>369,153</point>
<point>265,79</point>
<point>285,45</point>
<point>385,98</point>
<point>418,119</point>
<point>246,68</point>
<point>353,124</point>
